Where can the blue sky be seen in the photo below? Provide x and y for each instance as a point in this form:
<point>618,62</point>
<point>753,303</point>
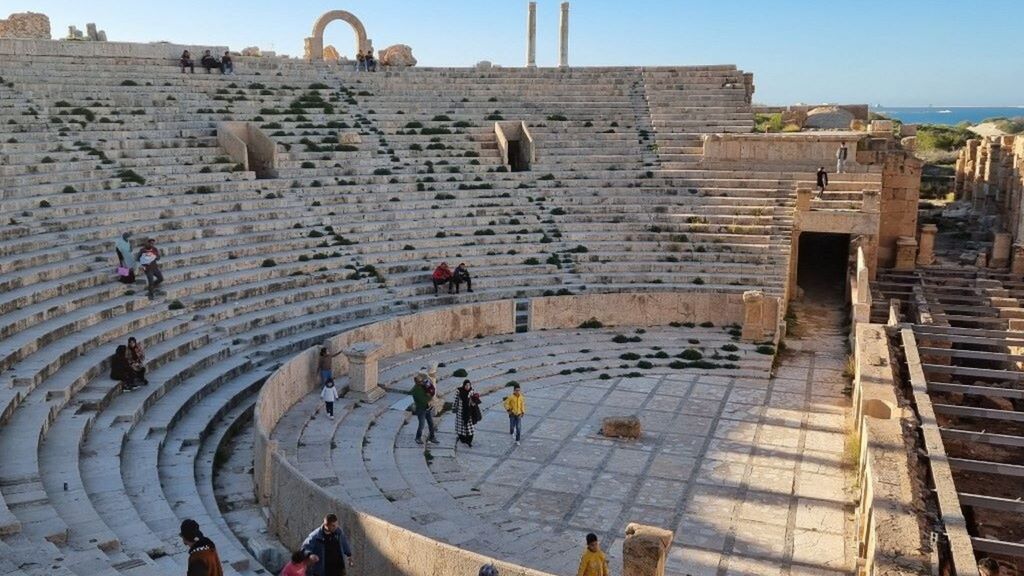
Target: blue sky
<point>893,52</point>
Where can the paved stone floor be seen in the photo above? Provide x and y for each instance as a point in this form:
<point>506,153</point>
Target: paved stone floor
<point>748,471</point>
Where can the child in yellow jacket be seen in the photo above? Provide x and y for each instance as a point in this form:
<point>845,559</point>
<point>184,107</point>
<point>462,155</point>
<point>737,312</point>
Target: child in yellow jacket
<point>593,562</point>
<point>515,405</point>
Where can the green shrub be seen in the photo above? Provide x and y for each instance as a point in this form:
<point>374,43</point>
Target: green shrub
<point>460,373</point>
<point>629,356</point>
<point>175,305</point>
<point>129,83</point>
<point>948,138</point>
<point>128,175</point>
<point>531,262</point>
<point>592,323</point>
<point>269,263</point>
<point>44,204</point>
<point>69,189</point>
<point>765,349</point>
<point>690,354</point>
<point>730,348</point>
<point>644,365</point>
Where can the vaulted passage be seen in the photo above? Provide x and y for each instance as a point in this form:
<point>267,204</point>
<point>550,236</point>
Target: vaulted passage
<point>822,267</point>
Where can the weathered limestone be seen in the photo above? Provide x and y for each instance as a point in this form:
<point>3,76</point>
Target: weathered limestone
<point>531,35</point>
<point>753,316</point>
<point>1017,259</point>
<point>26,25</point>
<point>621,427</point>
<point>363,371</point>
<point>829,118</point>
<point>397,56</point>
<point>906,253</point>
<point>1001,242</point>
<point>252,51</point>
<point>331,54</point>
<point>351,138</point>
<point>645,550</point>
<point>563,37</point>
<point>926,245</point>
<point>314,45</point>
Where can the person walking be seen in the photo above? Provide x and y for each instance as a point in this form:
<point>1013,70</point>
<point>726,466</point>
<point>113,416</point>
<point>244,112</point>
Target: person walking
<point>149,258</point>
<point>324,366</point>
<point>515,405</point>
<point>202,554</point>
<point>327,549</point>
<point>467,413</point>
<point>329,394</point>
<point>822,180</point>
<point>841,154</point>
<point>125,259</point>
<point>137,360</point>
<point>593,562</point>
<point>422,393</point>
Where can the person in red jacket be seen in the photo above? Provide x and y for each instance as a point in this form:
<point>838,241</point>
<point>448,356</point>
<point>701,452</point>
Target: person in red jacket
<point>442,275</point>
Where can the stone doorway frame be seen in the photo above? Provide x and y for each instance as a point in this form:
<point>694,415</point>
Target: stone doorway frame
<point>315,43</point>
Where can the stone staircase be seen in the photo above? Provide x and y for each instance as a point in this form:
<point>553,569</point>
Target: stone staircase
<point>95,479</point>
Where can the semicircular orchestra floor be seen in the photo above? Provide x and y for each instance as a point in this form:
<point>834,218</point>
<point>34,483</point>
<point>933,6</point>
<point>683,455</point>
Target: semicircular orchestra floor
<point>747,469</point>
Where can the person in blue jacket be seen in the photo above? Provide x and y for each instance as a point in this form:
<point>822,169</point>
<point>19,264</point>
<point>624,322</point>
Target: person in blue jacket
<point>327,549</point>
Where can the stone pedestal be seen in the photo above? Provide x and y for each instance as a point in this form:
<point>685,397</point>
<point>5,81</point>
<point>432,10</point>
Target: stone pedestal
<point>1000,250</point>
<point>753,316</point>
<point>926,246</point>
<point>869,202</point>
<point>906,253</point>
<point>563,32</point>
<point>803,199</point>
<point>531,36</point>
<point>645,550</point>
<point>363,371</point>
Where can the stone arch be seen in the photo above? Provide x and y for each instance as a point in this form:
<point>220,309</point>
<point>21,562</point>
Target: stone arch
<point>315,43</point>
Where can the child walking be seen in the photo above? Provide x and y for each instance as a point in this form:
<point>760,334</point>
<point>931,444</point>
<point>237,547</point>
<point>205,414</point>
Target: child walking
<point>515,405</point>
<point>593,562</point>
<point>329,394</point>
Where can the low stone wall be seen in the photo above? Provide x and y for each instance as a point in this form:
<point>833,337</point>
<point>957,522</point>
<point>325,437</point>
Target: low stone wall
<point>636,309</point>
<point>808,147</point>
<point>152,51</point>
<point>297,377</point>
<point>886,518</point>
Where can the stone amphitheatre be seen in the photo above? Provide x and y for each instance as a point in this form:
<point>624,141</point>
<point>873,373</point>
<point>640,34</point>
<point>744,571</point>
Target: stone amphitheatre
<point>823,385</point>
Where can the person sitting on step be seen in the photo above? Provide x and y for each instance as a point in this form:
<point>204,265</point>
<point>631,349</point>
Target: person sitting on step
<point>226,65</point>
<point>442,275</point>
<point>368,60</point>
<point>461,276</point>
<point>120,369</point>
<point>187,62</point>
<point>209,62</point>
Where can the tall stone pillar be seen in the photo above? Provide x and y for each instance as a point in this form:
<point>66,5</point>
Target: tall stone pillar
<point>1001,242</point>
<point>926,246</point>
<point>363,371</point>
<point>531,36</point>
<point>563,29</point>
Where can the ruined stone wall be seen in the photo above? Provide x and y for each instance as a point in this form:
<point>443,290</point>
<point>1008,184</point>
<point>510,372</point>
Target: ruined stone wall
<point>901,188</point>
<point>26,25</point>
<point>990,177</point>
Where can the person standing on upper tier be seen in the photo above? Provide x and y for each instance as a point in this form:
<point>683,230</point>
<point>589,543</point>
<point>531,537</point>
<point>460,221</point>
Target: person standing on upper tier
<point>841,155</point>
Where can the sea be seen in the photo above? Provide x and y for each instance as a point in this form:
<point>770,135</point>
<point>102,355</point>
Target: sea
<point>949,115</point>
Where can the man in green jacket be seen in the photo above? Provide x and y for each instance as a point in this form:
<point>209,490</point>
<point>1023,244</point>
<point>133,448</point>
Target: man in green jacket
<point>422,393</point>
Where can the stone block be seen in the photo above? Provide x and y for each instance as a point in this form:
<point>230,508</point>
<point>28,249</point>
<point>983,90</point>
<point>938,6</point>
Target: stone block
<point>90,31</point>
<point>1001,242</point>
<point>996,403</point>
<point>350,138</point>
<point>645,550</point>
<point>363,371</point>
<point>926,245</point>
<point>906,253</point>
<point>251,51</point>
<point>621,427</point>
<point>484,65</point>
<point>397,56</point>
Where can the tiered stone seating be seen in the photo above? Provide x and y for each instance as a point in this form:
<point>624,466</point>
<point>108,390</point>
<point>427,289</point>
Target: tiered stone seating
<point>93,479</point>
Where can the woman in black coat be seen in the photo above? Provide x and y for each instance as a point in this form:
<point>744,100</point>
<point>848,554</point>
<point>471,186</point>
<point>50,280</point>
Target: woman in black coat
<point>121,368</point>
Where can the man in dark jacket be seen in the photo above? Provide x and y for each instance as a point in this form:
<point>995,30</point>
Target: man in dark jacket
<point>202,554</point>
<point>461,276</point>
<point>327,549</point>
<point>822,179</point>
<point>422,393</point>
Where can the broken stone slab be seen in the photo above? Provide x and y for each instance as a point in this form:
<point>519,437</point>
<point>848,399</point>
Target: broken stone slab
<point>621,427</point>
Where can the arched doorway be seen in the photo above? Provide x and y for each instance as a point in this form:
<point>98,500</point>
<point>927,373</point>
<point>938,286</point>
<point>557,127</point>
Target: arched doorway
<point>315,43</point>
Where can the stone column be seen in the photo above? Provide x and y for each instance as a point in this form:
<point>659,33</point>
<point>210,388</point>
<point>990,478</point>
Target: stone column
<point>531,36</point>
<point>1000,250</point>
<point>363,371</point>
<point>645,550</point>
<point>563,35</point>
<point>753,316</point>
<point>926,246</point>
<point>906,253</point>
<point>1017,261</point>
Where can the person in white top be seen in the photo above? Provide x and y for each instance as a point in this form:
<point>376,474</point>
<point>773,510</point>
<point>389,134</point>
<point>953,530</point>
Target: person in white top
<point>329,394</point>
<point>841,154</point>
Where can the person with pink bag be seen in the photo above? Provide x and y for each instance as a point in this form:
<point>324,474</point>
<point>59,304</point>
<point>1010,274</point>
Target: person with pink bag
<point>125,259</point>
